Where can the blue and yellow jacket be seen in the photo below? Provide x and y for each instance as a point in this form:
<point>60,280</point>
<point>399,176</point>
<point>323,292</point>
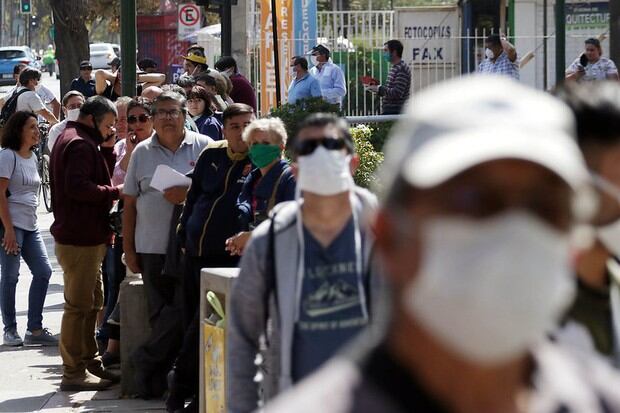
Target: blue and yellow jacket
<point>210,215</point>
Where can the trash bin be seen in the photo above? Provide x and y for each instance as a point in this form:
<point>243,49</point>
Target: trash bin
<point>215,288</point>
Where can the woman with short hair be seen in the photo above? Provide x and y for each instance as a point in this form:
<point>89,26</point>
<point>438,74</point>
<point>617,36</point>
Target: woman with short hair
<point>19,189</point>
<point>199,103</point>
<point>271,182</point>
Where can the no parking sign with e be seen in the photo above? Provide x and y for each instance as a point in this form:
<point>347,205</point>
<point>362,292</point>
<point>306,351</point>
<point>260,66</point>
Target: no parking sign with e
<point>189,19</point>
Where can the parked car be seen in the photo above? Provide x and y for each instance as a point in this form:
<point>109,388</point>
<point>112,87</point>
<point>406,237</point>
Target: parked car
<point>102,53</point>
<point>12,55</point>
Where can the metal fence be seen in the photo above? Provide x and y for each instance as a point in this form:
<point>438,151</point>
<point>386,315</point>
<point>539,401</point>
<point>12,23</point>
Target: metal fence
<point>356,39</point>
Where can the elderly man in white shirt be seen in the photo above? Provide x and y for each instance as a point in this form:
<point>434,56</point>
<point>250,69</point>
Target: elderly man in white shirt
<point>330,76</point>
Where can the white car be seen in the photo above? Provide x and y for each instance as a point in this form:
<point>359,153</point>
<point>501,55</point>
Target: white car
<point>102,53</point>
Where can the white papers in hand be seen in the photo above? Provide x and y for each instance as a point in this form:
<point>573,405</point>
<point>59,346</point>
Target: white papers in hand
<point>165,177</point>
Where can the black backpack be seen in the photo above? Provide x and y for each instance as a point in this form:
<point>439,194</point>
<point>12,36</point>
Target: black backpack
<point>9,107</point>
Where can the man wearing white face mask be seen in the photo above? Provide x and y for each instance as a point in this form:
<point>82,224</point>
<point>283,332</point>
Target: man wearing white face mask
<point>593,322</point>
<point>473,233</point>
<point>330,76</point>
<point>500,57</point>
<point>72,101</point>
<point>318,300</point>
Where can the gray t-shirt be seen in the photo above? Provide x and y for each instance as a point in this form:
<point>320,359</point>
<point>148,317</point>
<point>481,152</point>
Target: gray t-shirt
<point>154,213</point>
<point>330,311</point>
<point>24,184</point>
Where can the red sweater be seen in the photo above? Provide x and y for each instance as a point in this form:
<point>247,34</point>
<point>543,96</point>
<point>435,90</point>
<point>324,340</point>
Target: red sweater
<point>82,193</point>
<point>242,91</point>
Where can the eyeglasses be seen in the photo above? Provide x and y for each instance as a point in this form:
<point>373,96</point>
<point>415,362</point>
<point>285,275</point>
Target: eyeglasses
<point>141,118</point>
<point>306,147</point>
<point>174,113</point>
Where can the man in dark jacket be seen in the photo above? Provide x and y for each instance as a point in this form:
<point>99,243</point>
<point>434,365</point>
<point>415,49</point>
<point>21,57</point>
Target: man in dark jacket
<point>209,218</point>
<point>242,91</point>
<point>82,195</point>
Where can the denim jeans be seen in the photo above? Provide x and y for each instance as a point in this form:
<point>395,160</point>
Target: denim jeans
<point>34,254</point>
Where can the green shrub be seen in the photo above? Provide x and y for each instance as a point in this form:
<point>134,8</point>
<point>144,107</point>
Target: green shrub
<point>370,159</point>
<point>292,114</point>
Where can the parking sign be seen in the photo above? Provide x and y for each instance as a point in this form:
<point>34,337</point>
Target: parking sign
<point>189,19</point>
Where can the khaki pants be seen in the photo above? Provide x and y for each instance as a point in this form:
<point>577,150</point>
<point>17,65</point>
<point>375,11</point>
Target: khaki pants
<point>83,299</point>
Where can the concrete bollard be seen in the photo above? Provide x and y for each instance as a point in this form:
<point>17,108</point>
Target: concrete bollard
<point>135,328</point>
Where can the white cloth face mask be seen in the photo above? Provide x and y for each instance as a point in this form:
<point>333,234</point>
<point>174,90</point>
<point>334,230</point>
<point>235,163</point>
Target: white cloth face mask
<point>325,172</point>
<point>314,61</point>
<point>73,114</point>
<point>489,54</point>
<point>489,289</point>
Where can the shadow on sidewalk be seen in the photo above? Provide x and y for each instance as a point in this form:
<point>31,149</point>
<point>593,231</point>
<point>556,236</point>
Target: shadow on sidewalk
<point>25,404</point>
<point>47,309</point>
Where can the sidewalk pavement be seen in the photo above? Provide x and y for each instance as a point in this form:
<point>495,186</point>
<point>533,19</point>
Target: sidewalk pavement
<point>31,376</point>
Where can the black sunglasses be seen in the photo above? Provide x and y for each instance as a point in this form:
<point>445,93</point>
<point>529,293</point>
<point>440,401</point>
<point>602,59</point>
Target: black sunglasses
<point>306,147</point>
<point>142,118</point>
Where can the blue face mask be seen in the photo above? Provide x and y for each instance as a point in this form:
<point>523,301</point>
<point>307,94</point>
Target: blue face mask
<point>387,56</point>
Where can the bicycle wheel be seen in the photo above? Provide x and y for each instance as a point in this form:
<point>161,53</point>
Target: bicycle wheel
<point>46,190</point>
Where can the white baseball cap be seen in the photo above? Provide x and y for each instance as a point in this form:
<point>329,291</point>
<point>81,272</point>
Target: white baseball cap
<point>461,123</point>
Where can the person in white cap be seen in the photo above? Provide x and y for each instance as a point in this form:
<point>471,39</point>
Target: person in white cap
<point>473,232</point>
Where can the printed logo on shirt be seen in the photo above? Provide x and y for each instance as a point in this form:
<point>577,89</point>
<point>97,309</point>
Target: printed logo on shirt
<point>192,163</point>
<point>331,298</point>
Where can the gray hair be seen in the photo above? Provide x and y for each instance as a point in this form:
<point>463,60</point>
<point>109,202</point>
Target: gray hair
<point>170,96</point>
<point>98,107</point>
<point>274,127</point>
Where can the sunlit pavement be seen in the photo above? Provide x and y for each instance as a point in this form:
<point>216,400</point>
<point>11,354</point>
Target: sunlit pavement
<point>31,375</point>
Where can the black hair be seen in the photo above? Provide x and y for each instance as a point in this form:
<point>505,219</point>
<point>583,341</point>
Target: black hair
<point>594,42</point>
<point>596,107</point>
<point>147,63</point>
<point>494,40</point>
<point>186,81</point>
<point>18,68</point>
<point>302,61</point>
<point>236,109</point>
<point>98,107</point>
<point>13,128</point>
<point>139,102</point>
<point>321,120</point>
<point>205,77</point>
<point>226,62</point>
<point>395,45</point>
<point>29,74</point>
<point>70,94</point>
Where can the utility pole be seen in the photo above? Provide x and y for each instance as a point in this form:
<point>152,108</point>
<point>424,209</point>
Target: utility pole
<point>560,40</point>
<point>128,47</point>
<point>2,26</point>
<point>614,30</point>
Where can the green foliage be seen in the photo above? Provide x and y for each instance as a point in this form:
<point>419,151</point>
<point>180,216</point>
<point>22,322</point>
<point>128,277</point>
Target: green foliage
<point>293,114</point>
<point>370,159</point>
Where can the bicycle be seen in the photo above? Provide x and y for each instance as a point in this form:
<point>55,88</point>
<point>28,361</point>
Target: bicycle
<point>43,162</point>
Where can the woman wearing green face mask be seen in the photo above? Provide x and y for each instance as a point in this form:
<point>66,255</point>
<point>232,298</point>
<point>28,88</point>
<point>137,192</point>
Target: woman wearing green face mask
<point>270,183</point>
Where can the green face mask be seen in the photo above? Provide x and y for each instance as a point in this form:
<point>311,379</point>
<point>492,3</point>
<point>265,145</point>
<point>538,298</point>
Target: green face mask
<point>263,155</point>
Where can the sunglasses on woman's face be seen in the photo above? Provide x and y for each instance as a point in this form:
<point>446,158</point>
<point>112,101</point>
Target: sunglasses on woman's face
<point>142,118</point>
<point>306,147</point>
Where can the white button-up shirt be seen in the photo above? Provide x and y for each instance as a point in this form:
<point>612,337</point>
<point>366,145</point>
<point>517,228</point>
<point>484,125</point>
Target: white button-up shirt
<point>332,82</point>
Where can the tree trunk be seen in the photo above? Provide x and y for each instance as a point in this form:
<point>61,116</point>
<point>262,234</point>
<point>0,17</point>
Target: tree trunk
<point>71,39</point>
<point>614,31</point>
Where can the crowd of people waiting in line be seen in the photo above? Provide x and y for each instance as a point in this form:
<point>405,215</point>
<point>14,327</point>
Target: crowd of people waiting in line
<point>466,287</point>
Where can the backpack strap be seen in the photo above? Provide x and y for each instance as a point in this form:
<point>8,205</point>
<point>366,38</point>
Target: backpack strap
<point>272,198</point>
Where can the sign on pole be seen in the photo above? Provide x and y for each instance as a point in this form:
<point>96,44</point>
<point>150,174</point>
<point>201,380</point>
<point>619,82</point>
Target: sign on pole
<point>305,25</point>
<point>285,46</point>
<point>189,19</point>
